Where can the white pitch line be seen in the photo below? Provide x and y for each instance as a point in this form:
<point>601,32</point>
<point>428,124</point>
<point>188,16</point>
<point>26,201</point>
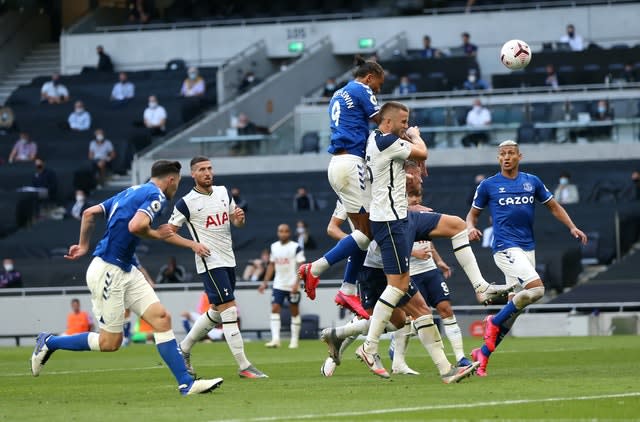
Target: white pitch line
<point>433,407</point>
<point>81,371</point>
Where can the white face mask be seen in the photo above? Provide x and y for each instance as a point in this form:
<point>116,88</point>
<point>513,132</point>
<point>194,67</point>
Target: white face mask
<point>472,78</point>
<point>300,230</point>
<point>153,104</point>
<point>80,198</point>
<point>8,267</point>
<point>99,137</point>
<point>193,75</point>
<point>79,110</point>
<point>564,181</point>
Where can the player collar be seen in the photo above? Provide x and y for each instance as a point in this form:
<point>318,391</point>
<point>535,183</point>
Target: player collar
<point>202,193</point>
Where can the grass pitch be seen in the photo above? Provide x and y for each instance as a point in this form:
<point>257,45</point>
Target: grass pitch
<point>593,378</point>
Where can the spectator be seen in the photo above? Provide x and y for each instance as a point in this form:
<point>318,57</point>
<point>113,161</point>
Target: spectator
<point>140,10</point>
<point>473,83</point>
<point>429,52</point>
<point>551,79</point>
<point>171,272</point>
<point>7,120</point>
<point>629,74</point>
<point>155,117</point>
<point>477,117</point>
<point>78,321</point>
<point>79,119</point>
<point>9,276</point>
<point>245,126</point>
<point>81,203</point>
<point>405,87</point>
<point>303,200</point>
<point>256,268</point>
<point>101,154</point>
<point>477,180</point>
<point>123,91</point>
<point>574,40</point>
<point>24,149</point>
<point>566,192</point>
<point>53,92</point>
<point>45,179</point>
<point>193,85</point>
<point>305,241</point>
<point>469,49</point>
<point>602,113</point>
<point>240,202</point>
<point>329,88</point>
<point>249,80</point>
<point>632,192</point>
<point>104,60</point>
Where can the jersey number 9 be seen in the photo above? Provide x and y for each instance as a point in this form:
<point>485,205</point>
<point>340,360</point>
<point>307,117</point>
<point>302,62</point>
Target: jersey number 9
<point>335,113</point>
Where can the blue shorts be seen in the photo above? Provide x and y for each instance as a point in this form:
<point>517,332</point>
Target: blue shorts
<point>278,296</point>
<point>219,283</point>
<point>395,245</point>
<point>432,287</point>
<point>421,224</point>
<point>372,282</point>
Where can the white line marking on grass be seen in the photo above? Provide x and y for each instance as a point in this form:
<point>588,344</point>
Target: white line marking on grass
<point>434,407</point>
<point>82,371</point>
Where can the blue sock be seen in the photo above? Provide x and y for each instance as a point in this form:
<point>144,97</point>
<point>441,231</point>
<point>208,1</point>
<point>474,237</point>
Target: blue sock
<point>505,313</point>
<point>353,267</point>
<point>126,329</point>
<point>77,342</point>
<point>347,246</point>
<point>186,325</point>
<point>169,352</point>
<point>485,350</point>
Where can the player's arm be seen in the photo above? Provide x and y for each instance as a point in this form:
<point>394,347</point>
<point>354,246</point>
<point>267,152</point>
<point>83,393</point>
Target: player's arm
<point>418,146</point>
<point>562,216</point>
<point>140,225</point>
<point>472,222</point>
<point>87,225</point>
<point>333,228</point>
<point>199,249</point>
<point>446,271</point>
<point>268,275</point>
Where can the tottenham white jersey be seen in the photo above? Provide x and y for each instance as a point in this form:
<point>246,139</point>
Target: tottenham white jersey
<point>419,266</point>
<point>286,258</point>
<point>386,154</point>
<point>207,218</point>
<point>374,256</point>
<point>340,213</point>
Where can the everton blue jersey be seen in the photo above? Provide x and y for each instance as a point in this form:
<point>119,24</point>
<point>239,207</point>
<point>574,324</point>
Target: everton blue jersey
<point>350,109</point>
<point>512,205</point>
<point>118,245</point>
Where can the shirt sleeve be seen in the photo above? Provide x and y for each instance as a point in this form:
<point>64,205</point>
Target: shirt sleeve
<point>106,206</point>
<point>369,102</point>
<point>272,257</point>
<point>542,193</point>
<point>152,205</point>
<point>339,212</point>
<point>399,149</point>
<point>180,214</point>
<point>481,198</point>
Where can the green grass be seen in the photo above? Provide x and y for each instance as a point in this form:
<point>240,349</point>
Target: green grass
<point>533,378</point>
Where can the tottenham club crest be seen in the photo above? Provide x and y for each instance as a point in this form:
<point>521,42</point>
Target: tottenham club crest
<point>527,187</point>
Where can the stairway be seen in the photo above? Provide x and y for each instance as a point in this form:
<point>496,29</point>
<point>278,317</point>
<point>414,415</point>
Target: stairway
<point>43,60</point>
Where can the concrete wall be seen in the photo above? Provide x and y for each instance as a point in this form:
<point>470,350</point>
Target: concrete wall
<point>214,45</point>
<point>26,34</point>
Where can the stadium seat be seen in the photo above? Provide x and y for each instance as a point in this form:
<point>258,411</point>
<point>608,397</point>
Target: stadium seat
<point>526,134</point>
<point>310,143</point>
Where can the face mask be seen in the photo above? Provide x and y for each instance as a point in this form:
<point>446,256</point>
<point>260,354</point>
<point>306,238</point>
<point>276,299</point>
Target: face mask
<point>192,75</point>
<point>250,78</point>
<point>153,104</point>
<point>79,198</point>
<point>602,110</point>
<point>564,181</point>
<point>8,267</point>
<point>99,137</point>
<point>330,86</point>
<point>79,110</point>
<point>471,78</point>
<point>300,230</point>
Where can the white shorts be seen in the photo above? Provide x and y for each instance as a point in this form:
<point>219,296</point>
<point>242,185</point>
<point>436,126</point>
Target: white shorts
<point>349,179</point>
<point>518,266</point>
<point>114,290</point>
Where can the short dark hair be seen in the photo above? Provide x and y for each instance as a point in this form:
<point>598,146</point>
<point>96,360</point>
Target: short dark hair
<point>198,159</point>
<point>392,105</point>
<point>366,67</point>
<point>466,34</point>
<point>75,300</point>
<point>163,168</point>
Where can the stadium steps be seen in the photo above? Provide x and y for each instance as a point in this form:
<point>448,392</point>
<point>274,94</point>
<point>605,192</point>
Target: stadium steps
<point>43,60</point>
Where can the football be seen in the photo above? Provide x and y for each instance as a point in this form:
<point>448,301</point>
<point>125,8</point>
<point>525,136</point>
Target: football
<point>328,367</point>
<point>515,54</point>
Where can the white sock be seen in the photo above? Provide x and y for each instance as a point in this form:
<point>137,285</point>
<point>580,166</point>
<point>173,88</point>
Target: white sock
<point>275,327</point>
<point>430,338</point>
<point>319,266</point>
<point>467,260</point>
<point>454,334</point>
<point>401,339</point>
<point>348,288</point>
<point>94,342</point>
<point>233,336</point>
<point>381,315</point>
<point>296,321</point>
<point>353,328</point>
<point>201,327</point>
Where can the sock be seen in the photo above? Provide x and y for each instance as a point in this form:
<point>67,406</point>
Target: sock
<point>186,324</point>
<point>319,266</point>
<point>77,342</point>
<point>505,313</point>
<point>381,315</point>
<point>401,338</point>
<point>347,246</point>
<point>168,349</point>
<point>467,260</point>
<point>126,329</point>
<point>351,270</point>
<point>353,328</point>
<point>201,327</point>
<point>430,338</point>
<point>296,321</point>
<point>454,334</point>
<point>505,327</point>
<point>233,336</point>
<point>275,327</point>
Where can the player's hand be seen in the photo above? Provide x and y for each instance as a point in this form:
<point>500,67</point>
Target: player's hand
<point>446,271</point>
<point>579,234</point>
<point>413,132</point>
<point>261,288</point>
<point>164,231</point>
<point>75,252</point>
<point>201,250</point>
<point>238,215</point>
<point>474,234</point>
<point>423,251</point>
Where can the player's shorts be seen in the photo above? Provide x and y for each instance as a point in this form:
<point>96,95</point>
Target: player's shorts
<point>113,290</point>
<point>219,284</point>
<point>518,266</point>
<point>278,296</point>
<point>349,179</point>
<point>422,224</point>
<point>432,286</point>
<point>372,282</point>
<point>394,243</point>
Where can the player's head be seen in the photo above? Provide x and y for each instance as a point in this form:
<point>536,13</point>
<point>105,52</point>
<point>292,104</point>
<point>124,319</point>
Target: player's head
<point>202,172</point>
<point>166,174</point>
<point>394,118</point>
<point>284,233</point>
<point>75,305</point>
<point>414,175</point>
<point>414,197</point>
<point>509,155</point>
<point>369,73</point>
